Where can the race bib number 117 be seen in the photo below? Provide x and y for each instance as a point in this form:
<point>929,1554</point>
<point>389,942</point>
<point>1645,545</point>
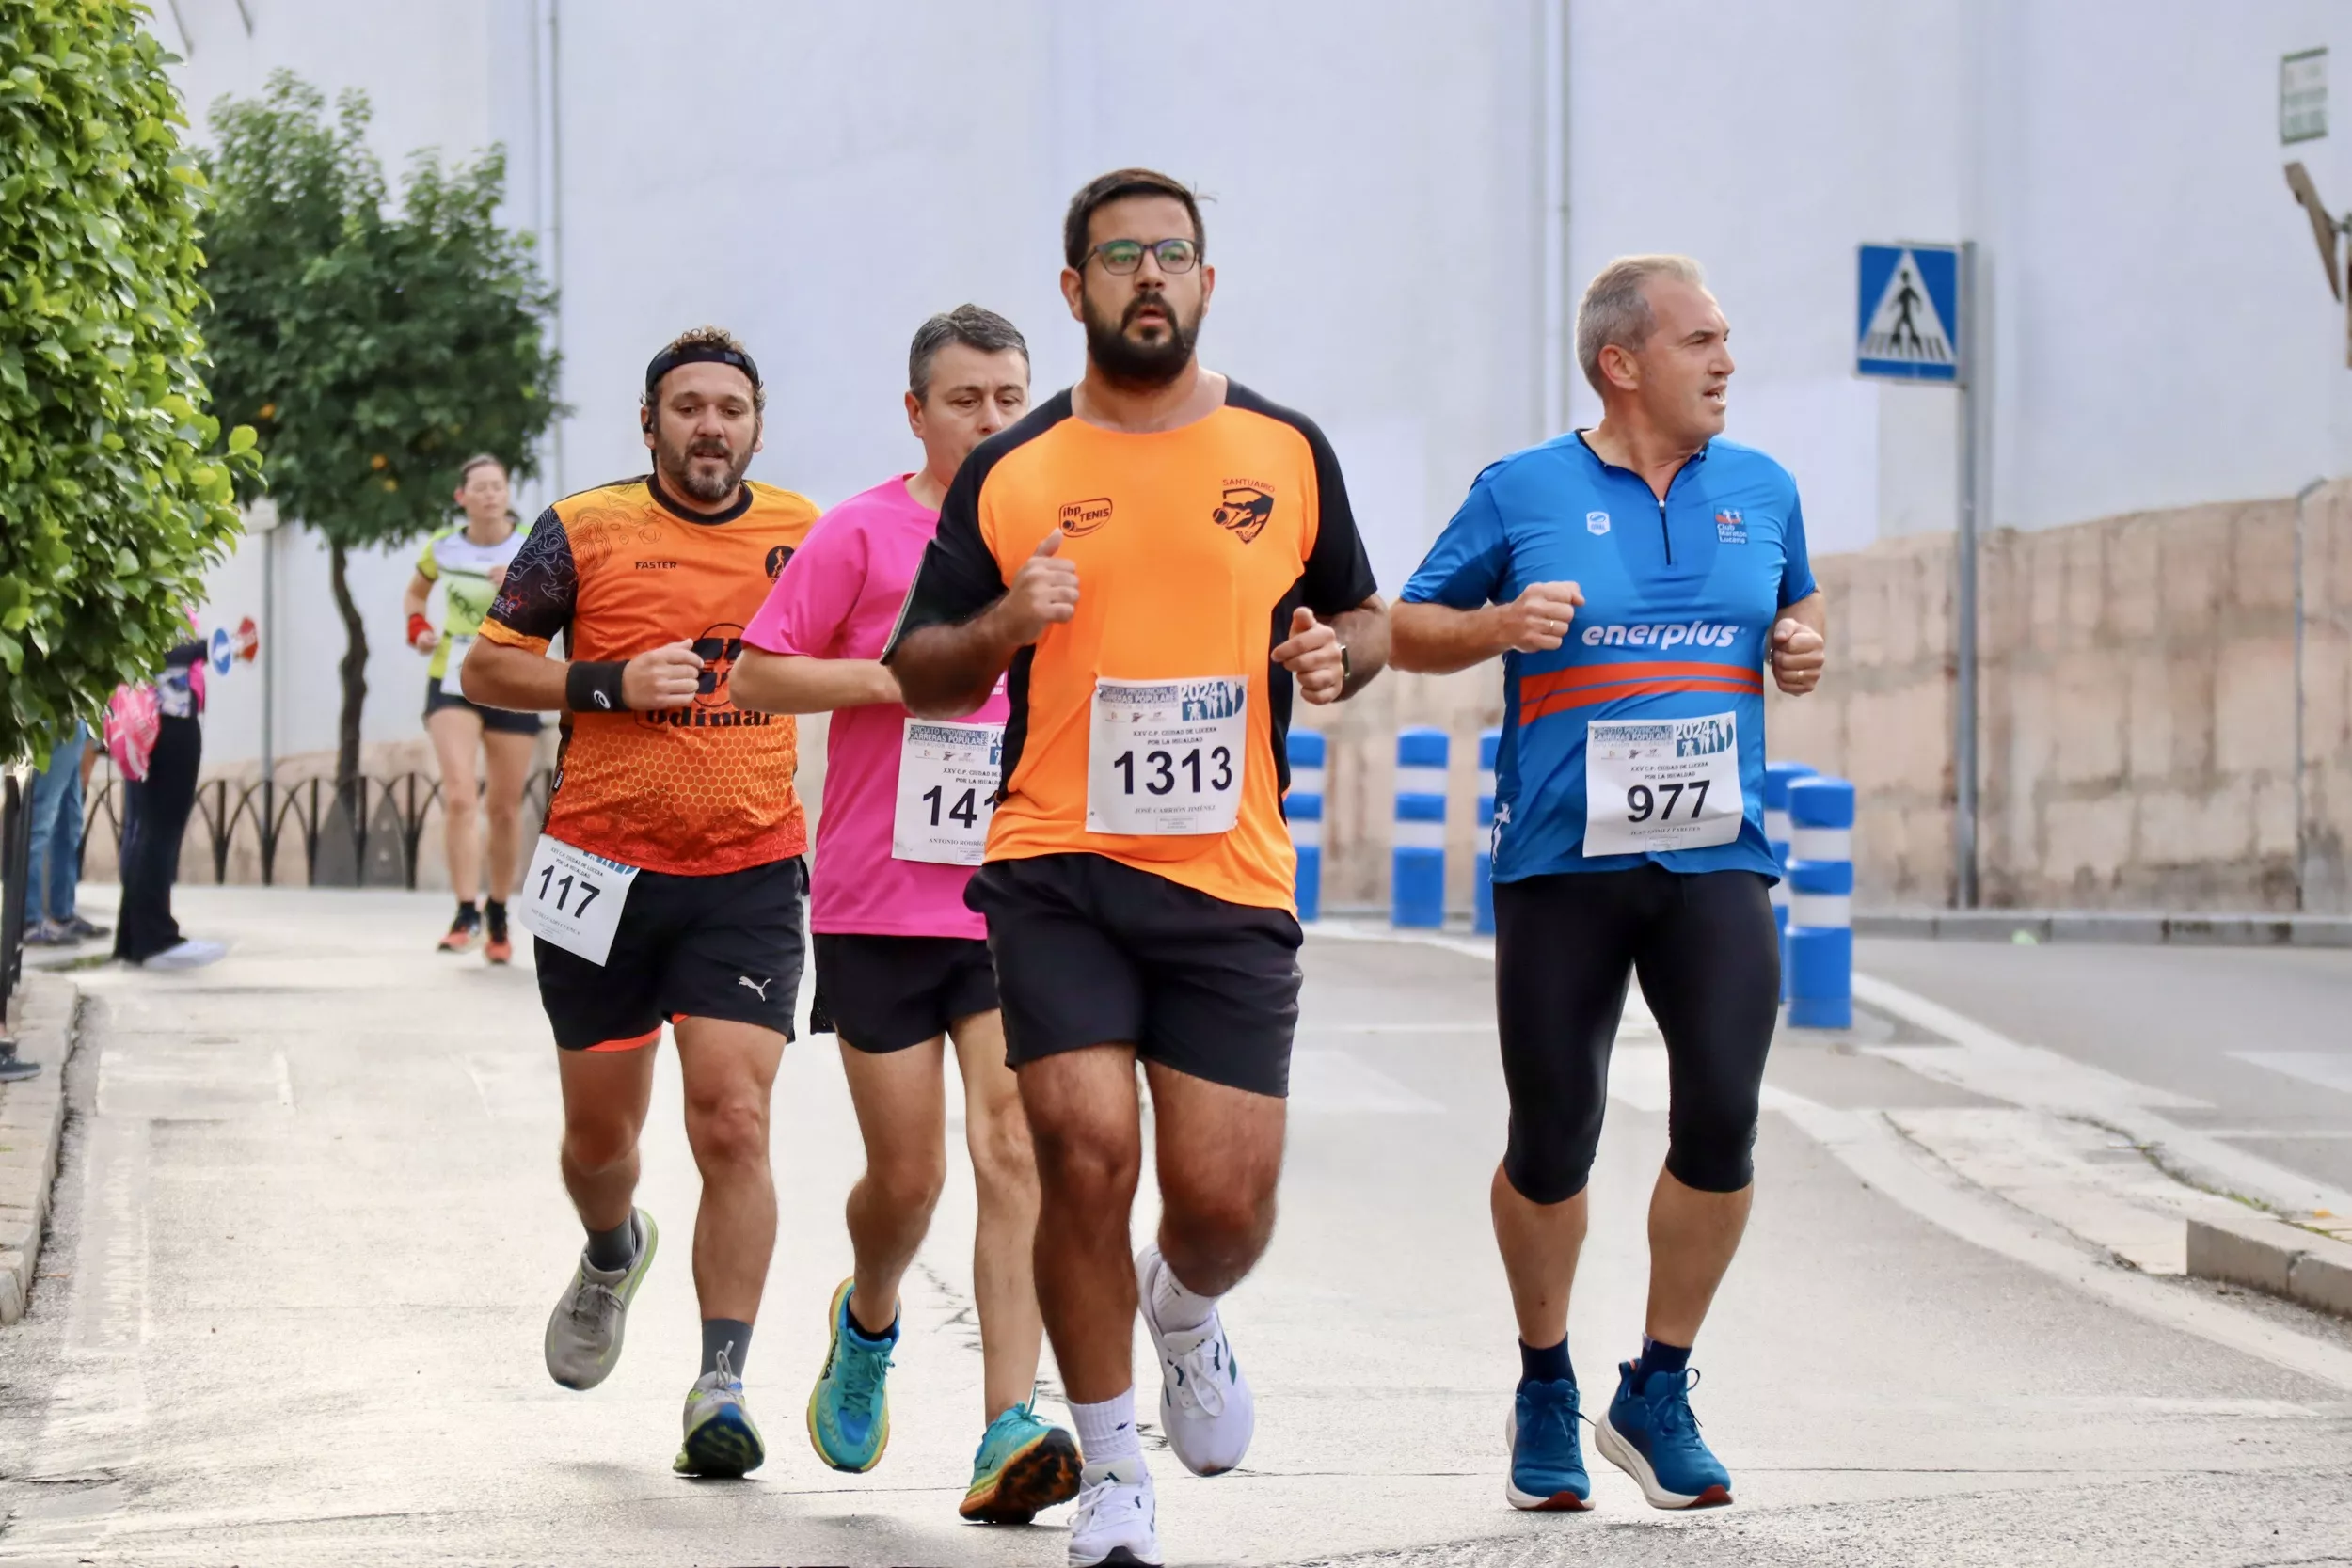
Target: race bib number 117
<point>573,898</point>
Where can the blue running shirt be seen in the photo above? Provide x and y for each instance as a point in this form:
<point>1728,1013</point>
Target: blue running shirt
<point>1656,696</point>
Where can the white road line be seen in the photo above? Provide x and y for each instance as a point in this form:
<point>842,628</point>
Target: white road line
<point>1989,1063</point>
<point>1868,1145</point>
<point>2329,1070</point>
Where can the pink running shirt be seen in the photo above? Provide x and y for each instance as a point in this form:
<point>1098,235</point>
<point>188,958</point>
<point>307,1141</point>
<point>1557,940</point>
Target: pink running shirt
<point>838,598</point>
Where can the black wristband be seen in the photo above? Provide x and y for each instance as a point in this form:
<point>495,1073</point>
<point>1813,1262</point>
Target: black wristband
<point>593,686</point>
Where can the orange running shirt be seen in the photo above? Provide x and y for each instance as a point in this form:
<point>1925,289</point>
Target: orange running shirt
<point>1193,547</point>
<point>692,791</point>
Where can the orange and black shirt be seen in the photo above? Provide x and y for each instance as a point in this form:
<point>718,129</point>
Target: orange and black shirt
<point>615,571</point>
<point>1193,547</point>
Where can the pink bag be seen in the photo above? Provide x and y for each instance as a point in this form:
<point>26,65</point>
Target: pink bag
<point>133,718</point>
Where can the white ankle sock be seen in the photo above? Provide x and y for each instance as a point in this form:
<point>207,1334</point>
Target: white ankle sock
<point>1107,1432</point>
<point>1176,1307</point>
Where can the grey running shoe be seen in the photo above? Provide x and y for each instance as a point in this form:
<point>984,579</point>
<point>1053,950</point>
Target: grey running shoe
<point>584,1335</point>
<point>721,1440</point>
<point>194,953</point>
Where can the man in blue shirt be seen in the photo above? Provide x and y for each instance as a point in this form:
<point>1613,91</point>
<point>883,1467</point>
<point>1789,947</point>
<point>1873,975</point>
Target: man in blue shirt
<point>1636,580</point>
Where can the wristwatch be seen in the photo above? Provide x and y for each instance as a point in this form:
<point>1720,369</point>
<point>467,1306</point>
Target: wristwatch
<point>1347,666</point>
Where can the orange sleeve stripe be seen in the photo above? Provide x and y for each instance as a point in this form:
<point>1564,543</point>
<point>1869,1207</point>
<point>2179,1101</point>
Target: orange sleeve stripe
<point>507,637</point>
<point>1615,675</point>
<point>1563,701</point>
<point>634,1043</point>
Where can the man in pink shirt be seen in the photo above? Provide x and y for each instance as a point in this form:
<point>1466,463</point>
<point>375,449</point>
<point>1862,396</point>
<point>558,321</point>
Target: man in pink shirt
<point>902,964</point>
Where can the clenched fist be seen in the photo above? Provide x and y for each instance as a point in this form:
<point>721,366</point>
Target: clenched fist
<point>661,677</point>
<point>1044,593</point>
<point>1538,620</point>
<point>1315,658</point>
<point>1798,654</point>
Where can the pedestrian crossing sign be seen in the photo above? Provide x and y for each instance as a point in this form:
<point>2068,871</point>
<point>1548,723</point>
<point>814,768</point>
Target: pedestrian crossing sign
<point>1907,310</point>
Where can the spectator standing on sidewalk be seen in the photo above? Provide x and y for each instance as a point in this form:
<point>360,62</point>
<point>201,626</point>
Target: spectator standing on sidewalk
<point>55,870</point>
<point>157,801</point>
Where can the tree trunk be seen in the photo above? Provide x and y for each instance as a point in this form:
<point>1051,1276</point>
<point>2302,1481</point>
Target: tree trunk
<point>354,673</point>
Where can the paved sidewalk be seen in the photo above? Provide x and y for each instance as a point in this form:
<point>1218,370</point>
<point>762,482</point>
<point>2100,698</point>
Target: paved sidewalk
<point>312,1229</point>
<point>32,1133</point>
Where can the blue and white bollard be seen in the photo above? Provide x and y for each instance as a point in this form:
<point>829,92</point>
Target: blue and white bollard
<point>1778,776</point>
<point>1483,879</point>
<point>1820,904</point>
<point>1417,861</point>
<point>1303,805</point>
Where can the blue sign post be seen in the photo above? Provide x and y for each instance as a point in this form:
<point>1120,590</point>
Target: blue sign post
<point>1915,317</point>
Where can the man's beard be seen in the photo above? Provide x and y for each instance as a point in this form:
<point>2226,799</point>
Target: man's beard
<point>677,469</point>
<point>1143,366</point>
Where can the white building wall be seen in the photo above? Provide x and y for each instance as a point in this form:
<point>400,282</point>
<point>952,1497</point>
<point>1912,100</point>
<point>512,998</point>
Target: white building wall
<point>819,177</point>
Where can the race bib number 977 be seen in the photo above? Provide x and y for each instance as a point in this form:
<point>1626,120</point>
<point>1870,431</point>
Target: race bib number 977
<point>1669,784</point>
<point>1167,756</point>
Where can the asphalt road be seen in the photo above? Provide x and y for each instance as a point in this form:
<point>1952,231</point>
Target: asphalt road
<point>2260,1037</point>
<point>310,1229</point>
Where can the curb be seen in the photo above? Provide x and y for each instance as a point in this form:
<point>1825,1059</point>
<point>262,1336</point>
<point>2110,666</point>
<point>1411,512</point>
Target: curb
<point>2275,1258</point>
<point>2146,928</point>
<point>32,1132</point>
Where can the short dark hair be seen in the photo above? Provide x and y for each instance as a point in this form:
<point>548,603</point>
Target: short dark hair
<point>1121,183</point>
<point>968,324</point>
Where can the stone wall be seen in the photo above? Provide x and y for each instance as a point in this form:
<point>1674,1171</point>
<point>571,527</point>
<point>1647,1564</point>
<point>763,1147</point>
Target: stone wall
<point>2137,711</point>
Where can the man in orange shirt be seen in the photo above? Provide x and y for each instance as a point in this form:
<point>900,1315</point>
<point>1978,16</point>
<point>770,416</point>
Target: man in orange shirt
<point>1159,556</point>
<point>668,883</point>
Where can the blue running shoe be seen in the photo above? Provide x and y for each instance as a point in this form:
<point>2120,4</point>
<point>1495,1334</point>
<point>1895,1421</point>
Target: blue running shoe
<point>1024,1465</point>
<point>721,1440</point>
<point>848,1411</point>
<point>1651,1435</point>
<point>1547,1461</point>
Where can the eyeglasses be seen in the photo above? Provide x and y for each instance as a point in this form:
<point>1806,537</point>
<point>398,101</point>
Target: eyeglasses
<point>1125,256</point>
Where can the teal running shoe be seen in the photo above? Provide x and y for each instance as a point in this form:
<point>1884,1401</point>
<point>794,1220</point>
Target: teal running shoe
<point>1547,1461</point>
<point>848,1410</point>
<point>1025,1464</point>
<point>721,1441</point>
<point>1651,1435</point>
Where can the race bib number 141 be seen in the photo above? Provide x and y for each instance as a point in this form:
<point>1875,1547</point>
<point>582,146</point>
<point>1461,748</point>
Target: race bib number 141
<point>1167,756</point>
<point>1669,784</point>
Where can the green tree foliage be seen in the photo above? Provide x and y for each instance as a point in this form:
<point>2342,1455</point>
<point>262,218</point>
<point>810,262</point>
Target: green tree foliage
<point>114,496</point>
<point>374,350</point>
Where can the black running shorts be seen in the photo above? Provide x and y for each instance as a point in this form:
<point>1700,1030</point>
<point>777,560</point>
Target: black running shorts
<point>727,947</point>
<point>1092,952</point>
<point>884,993</point>
<point>497,721</point>
<point>1708,957</point>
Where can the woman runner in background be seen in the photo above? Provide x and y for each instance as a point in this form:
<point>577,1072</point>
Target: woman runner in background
<point>471,558</point>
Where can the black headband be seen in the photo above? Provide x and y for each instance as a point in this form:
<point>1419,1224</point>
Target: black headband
<point>696,354</point>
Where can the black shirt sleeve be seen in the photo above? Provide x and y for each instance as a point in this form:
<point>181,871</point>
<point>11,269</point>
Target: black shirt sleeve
<point>1338,575</point>
<point>541,588</point>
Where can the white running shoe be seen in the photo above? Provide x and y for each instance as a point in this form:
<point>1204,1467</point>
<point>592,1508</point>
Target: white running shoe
<point>1205,1404</point>
<point>584,1331</point>
<point>195,953</point>
<point>1115,1526</point>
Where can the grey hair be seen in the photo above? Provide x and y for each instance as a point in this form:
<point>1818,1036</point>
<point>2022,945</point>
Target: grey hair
<point>1615,310</point>
<point>967,324</point>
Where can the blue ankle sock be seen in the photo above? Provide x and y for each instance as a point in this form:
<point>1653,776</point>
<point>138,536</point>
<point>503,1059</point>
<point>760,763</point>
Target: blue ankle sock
<point>1547,1365</point>
<point>1658,1357</point>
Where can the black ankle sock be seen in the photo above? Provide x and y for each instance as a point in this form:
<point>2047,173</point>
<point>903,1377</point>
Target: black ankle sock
<point>495,912</point>
<point>467,913</point>
<point>1658,1357</point>
<point>1547,1365</point>
<point>615,1248</point>
<point>730,1334</point>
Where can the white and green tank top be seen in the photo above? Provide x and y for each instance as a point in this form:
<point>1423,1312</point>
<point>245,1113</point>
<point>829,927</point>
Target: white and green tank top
<point>463,568</point>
